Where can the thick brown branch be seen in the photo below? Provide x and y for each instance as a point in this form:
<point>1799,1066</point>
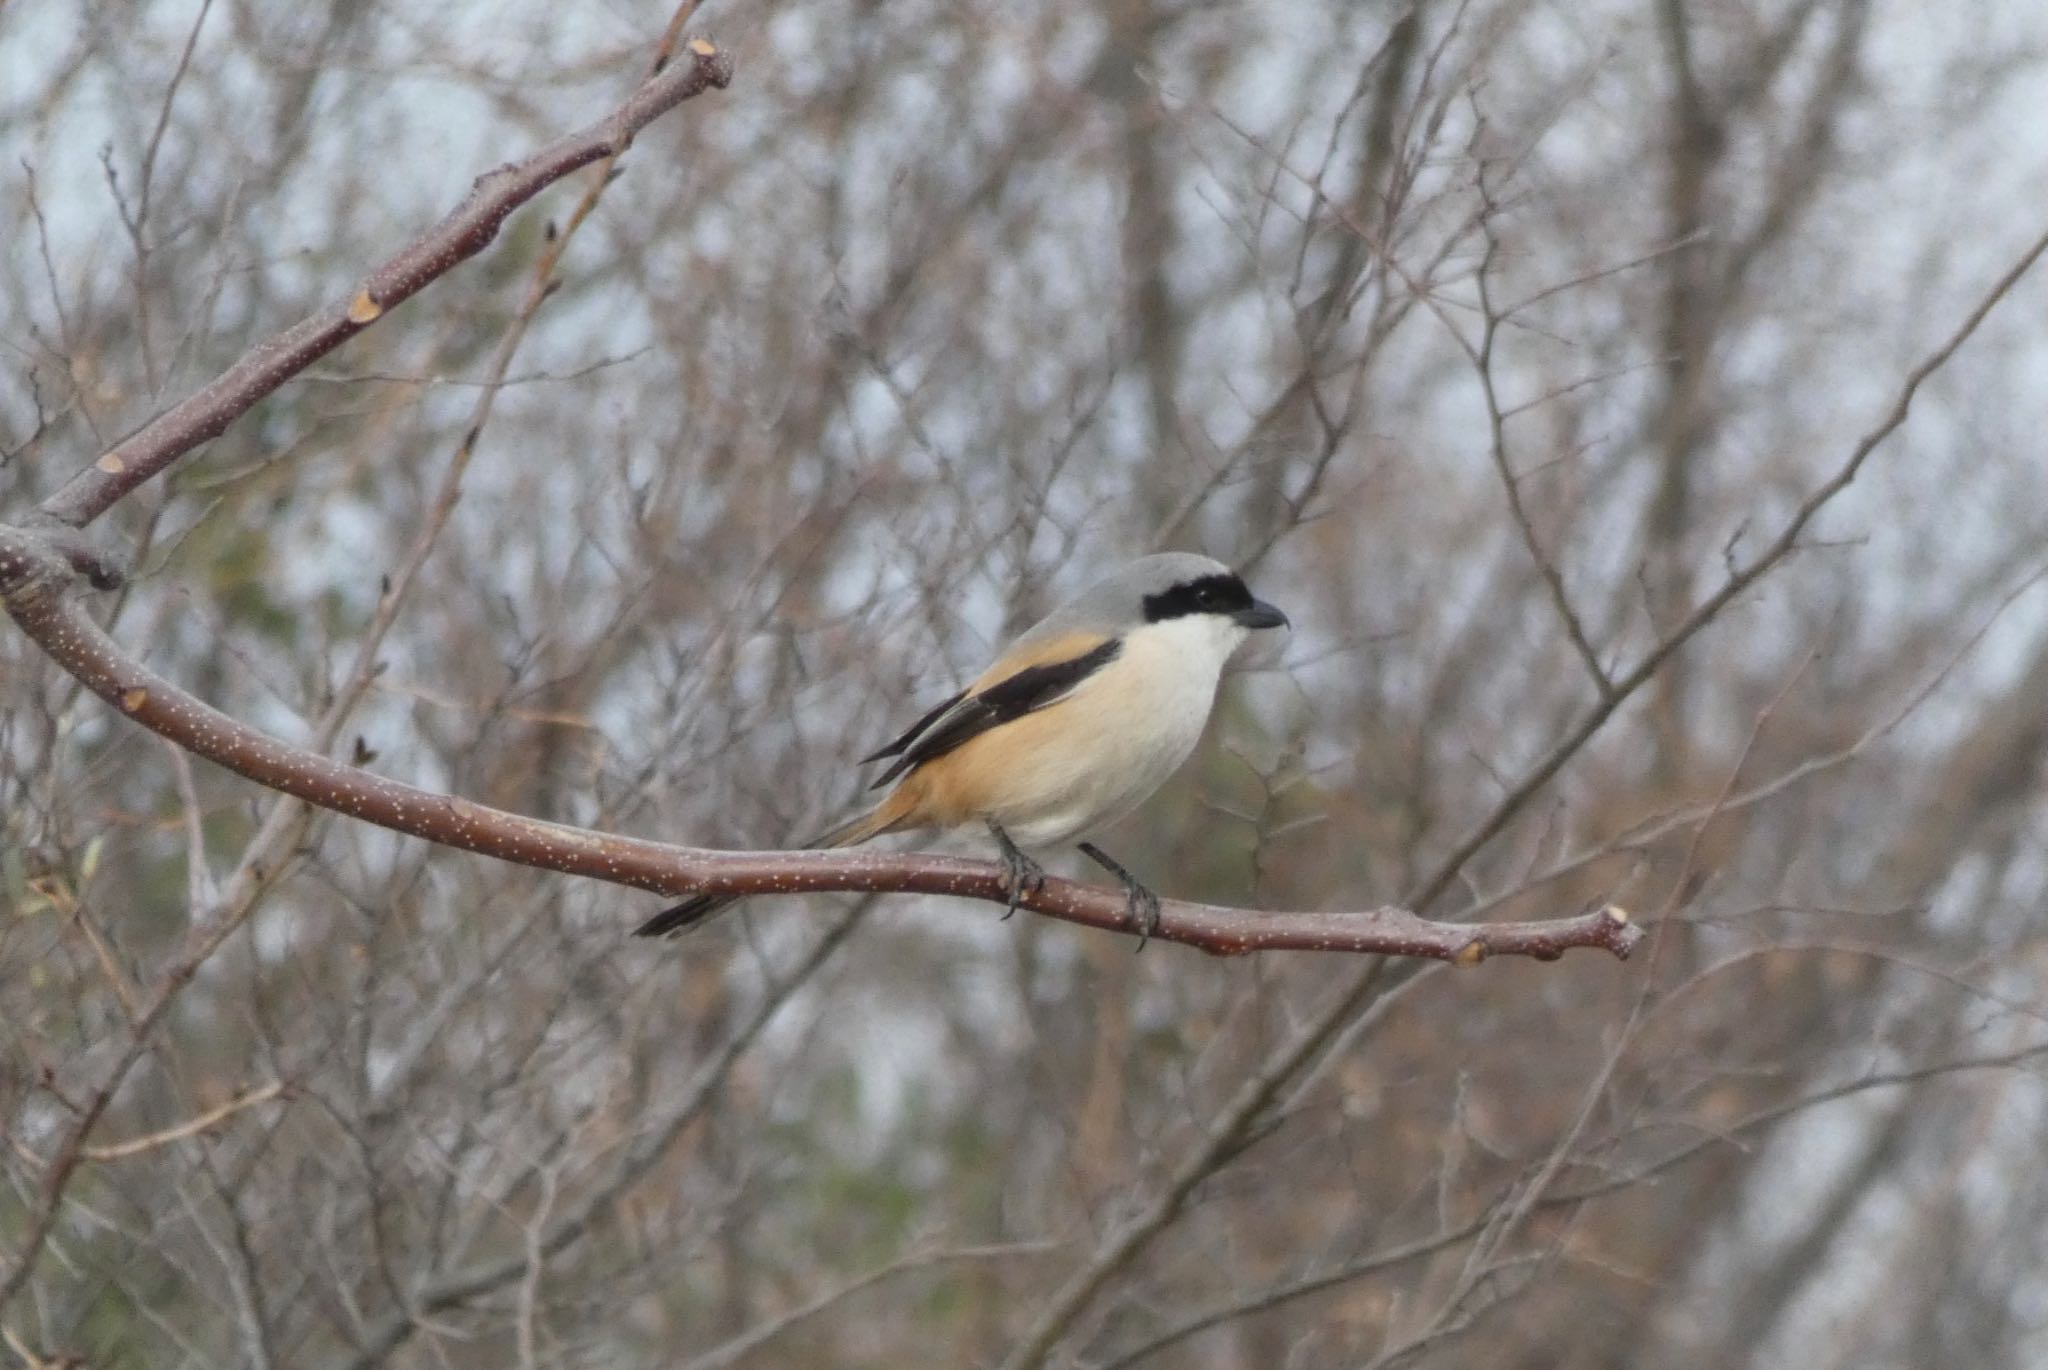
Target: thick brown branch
<point>59,624</point>
<point>467,230</point>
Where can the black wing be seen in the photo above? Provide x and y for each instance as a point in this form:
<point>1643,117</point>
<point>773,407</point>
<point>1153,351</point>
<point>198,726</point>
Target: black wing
<point>966,717</point>
<point>910,734</point>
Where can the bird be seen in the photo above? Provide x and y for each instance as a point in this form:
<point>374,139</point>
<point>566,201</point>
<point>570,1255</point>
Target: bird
<point>1075,725</point>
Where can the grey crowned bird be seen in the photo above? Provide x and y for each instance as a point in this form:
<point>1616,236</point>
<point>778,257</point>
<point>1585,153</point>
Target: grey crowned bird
<point>1075,725</point>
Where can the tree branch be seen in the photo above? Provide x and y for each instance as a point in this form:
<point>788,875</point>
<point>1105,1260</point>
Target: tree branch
<point>57,622</point>
<point>467,230</point>
<point>41,560</point>
<point>191,1127</point>
<point>1240,1305</point>
<point>1739,580</point>
<point>1122,1246</point>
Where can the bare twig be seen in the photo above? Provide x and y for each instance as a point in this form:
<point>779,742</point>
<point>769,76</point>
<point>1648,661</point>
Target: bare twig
<point>39,558</point>
<point>1738,581</point>
<point>455,1288</point>
<point>200,890</point>
<point>1263,1300</point>
<point>1224,1138</point>
<point>733,1351</point>
<point>467,230</point>
<point>191,1127</point>
<point>1482,358</point>
<point>1308,1046</point>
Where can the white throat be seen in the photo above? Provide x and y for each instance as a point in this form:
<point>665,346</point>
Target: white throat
<point>1199,644</point>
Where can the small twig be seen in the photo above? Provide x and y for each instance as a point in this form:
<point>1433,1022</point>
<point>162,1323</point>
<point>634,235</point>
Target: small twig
<point>136,221</point>
<point>527,1323</point>
<point>1306,1286</point>
<point>583,372</point>
<point>466,231</point>
<point>1308,1046</point>
<point>1559,391</point>
<point>1601,273</point>
<point>1642,835</point>
<point>31,1361</point>
<point>1710,609</point>
<point>43,555</point>
<point>191,1127</point>
<point>731,1352</point>
<point>1496,420</point>
<point>109,967</point>
<point>200,890</point>
<point>452,1289</point>
<point>1507,1219</point>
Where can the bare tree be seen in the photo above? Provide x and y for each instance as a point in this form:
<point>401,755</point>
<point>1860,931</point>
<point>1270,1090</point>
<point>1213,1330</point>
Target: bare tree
<point>1634,408</point>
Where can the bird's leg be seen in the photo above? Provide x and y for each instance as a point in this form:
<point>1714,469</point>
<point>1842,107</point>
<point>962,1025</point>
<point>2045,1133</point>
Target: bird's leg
<point>1140,904</point>
<point>1020,872</point>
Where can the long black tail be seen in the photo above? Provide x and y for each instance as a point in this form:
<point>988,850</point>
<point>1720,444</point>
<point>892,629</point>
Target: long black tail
<point>680,918</point>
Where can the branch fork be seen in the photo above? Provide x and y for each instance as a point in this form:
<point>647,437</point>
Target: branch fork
<point>43,552</point>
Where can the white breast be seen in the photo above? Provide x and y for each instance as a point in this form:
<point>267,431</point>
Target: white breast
<point>1123,732</point>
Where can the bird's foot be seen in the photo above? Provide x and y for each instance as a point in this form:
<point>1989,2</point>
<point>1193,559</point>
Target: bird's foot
<point>1020,873</point>
<point>1141,906</point>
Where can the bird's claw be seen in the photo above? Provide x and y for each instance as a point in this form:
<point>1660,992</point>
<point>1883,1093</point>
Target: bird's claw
<point>1020,875</point>
<point>1141,906</point>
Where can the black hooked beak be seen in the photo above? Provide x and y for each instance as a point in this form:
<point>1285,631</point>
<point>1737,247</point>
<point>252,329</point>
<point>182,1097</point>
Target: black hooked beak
<point>1261,615</point>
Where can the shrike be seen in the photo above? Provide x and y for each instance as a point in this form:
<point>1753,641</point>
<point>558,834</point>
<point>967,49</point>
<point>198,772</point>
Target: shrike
<point>1074,726</point>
